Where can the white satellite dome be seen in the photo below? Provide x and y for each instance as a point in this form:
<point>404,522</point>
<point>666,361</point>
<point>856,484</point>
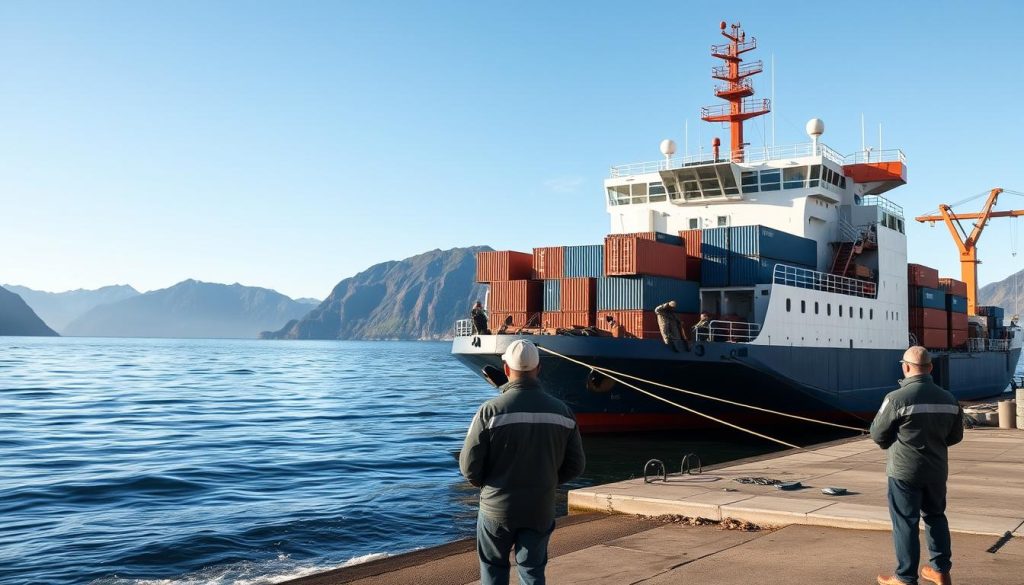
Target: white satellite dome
<point>815,127</point>
<point>668,147</point>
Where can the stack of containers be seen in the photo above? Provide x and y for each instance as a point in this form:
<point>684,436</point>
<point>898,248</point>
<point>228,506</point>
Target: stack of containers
<point>754,250</point>
<point>714,257</point>
<point>635,256</point>
<point>994,320</point>
<point>929,321</point>
<point>513,292</point>
<point>956,310</point>
<point>576,304</point>
<point>691,242</point>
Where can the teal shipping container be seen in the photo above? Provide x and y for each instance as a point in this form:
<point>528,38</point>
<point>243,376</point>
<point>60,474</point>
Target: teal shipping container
<point>583,261</point>
<point>552,295</point>
<point>644,293</point>
<point>927,298</point>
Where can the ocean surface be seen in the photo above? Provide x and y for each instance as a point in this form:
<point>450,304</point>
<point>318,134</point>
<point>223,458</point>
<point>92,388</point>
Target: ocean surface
<point>236,462</point>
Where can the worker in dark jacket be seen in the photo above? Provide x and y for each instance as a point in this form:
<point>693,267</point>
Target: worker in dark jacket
<point>916,425</point>
<point>479,320</point>
<point>673,333</point>
<point>519,448</point>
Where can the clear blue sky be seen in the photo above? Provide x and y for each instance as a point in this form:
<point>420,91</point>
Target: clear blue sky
<point>291,144</point>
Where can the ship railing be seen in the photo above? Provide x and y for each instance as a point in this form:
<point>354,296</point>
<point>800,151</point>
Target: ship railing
<point>734,331</point>
<point>875,156</point>
<point>463,328</point>
<point>976,344</point>
<point>823,281</point>
<point>998,344</point>
<point>749,155</point>
<point>883,204</point>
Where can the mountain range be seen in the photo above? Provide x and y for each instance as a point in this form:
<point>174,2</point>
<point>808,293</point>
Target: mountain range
<point>190,309</point>
<point>417,298</point>
<point>59,309</point>
<point>17,318</point>
<point>1007,293</point>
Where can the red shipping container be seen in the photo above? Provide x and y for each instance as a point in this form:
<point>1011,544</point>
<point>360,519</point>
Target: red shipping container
<point>928,318</point>
<point>578,295</point>
<point>958,321</point>
<point>551,319</point>
<point>636,324</point>
<point>953,286</point>
<point>635,256</point>
<point>519,319</point>
<point>548,263</point>
<point>567,320</point>
<point>691,241</point>
<point>920,275</point>
<point>958,338</point>
<point>501,266</point>
<point>932,338</point>
<point>517,296</point>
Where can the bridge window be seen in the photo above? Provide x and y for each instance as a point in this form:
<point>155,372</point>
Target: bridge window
<point>793,178</point>
<point>639,193</point>
<point>815,175</point>
<point>618,195</point>
<point>748,179</point>
<point>770,179</point>
<point>657,192</point>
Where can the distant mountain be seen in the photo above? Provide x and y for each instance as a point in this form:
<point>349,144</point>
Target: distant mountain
<point>190,309</point>
<point>17,318</point>
<point>308,301</point>
<point>59,309</point>
<point>416,298</point>
<point>1002,293</point>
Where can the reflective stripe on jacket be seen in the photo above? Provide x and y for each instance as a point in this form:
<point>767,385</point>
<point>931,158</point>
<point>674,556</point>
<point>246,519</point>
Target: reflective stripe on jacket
<point>916,424</point>
<point>519,448</point>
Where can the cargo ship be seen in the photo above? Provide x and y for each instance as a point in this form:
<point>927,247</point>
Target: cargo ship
<point>797,258</point>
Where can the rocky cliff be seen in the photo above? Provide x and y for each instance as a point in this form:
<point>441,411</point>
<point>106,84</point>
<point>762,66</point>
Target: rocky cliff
<point>1002,293</point>
<point>17,318</point>
<point>416,298</point>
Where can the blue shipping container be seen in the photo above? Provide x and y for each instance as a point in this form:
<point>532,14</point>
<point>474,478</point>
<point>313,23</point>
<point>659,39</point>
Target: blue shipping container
<point>955,304</point>
<point>583,261</point>
<point>625,293</point>
<point>991,311</point>
<point>927,298</point>
<point>552,295</point>
<point>766,242</point>
<point>714,257</point>
<point>751,270</point>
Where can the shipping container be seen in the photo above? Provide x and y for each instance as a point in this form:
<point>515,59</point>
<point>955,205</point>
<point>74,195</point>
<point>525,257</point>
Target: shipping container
<point>956,304</point>
<point>928,318</point>
<point>996,313</point>
<point>957,321</point>
<point>551,319</point>
<point>637,324</point>
<point>958,338</point>
<point>502,266</point>
<point>636,257</point>
<point>646,293</point>
<point>578,295</point>
<point>517,296</point>
<point>953,286</point>
<point>548,262</point>
<point>932,338</point>
<point>691,241</point>
<point>922,276</point>
<point>765,242</point>
<point>927,298</point>
<point>519,319</point>
<point>714,261</point>
<point>577,319</point>
<point>748,271</point>
<point>583,261</point>
<point>552,295</point>
<point>652,236</point>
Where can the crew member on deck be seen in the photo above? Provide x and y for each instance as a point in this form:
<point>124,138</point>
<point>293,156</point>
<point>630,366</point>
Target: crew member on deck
<point>672,331</point>
<point>703,327</point>
<point>479,320</point>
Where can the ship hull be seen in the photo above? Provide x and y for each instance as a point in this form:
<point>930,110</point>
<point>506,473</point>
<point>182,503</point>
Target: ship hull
<point>835,384</point>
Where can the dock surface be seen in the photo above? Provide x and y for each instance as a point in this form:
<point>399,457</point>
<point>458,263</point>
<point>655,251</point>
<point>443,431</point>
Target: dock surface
<point>810,539</point>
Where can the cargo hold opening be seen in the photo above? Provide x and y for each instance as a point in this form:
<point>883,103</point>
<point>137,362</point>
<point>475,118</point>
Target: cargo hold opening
<point>742,304</point>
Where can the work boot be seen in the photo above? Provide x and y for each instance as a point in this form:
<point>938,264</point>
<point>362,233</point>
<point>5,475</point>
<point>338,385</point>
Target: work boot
<point>891,580</point>
<point>936,577</point>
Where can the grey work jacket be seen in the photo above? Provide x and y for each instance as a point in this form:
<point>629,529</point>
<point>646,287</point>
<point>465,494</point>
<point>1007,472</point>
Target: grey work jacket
<point>916,425</point>
<point>520,446</point>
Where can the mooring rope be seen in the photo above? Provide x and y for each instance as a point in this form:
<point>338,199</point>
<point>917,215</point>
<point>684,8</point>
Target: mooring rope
<point>612,373</point>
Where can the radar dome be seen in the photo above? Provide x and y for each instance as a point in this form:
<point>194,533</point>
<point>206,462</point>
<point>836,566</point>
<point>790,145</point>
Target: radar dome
<point>668,147</point>
<point>815,127</point>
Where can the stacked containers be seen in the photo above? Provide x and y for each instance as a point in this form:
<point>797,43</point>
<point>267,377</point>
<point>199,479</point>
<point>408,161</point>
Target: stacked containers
<point>548,262</point>
<point>714,257</point>
<point>929,319</point>
<point>644,293</point>
<point>691,241</point>
<point>501,266</point>
<point>994,321</point>
<point>953,286</point>
<point>583,261</point>
<point>513,294</point>
<point>575,305</point>
<point>634,256</point>
<point>652,236</point>
<point>754,250</point>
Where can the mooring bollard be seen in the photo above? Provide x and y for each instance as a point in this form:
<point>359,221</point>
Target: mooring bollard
<point>1007,414</point>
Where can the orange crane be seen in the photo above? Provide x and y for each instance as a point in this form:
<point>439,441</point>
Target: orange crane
<point>968,243</point>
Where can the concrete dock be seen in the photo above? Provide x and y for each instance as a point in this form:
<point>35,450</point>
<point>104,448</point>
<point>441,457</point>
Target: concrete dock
<point>805,536</point>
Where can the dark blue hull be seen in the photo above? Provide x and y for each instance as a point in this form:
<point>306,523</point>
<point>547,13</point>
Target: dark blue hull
<point>836,384</point>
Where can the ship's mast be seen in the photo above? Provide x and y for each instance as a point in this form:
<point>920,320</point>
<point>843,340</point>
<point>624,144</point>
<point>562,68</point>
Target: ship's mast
<point>737,87</point>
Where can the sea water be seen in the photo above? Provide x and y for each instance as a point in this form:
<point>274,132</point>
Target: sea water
<point>243,462</point>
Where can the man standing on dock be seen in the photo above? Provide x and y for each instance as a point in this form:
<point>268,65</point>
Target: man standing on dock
<point>916,425</point>
<point>519,448</point>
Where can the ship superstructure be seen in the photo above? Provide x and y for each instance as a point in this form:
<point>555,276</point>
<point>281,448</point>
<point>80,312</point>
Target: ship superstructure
<point>819,337</point>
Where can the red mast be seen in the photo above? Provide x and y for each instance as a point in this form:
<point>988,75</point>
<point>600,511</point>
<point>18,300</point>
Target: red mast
<point>736,88</point>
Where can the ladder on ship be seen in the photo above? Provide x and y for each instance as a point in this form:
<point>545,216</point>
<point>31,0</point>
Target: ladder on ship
<point>855,241</point>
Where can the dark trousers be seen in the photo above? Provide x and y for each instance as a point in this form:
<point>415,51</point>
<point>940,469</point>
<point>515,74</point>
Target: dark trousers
<point>494,542</point>
<point>908,504</point>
